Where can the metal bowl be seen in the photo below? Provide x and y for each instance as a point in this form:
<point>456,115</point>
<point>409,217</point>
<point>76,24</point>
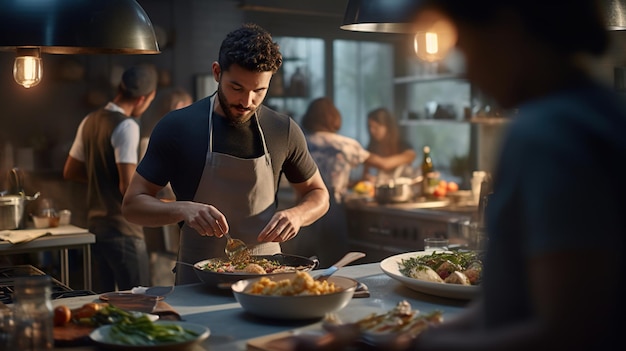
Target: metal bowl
<point>294,307</point>
<point>224,279</point>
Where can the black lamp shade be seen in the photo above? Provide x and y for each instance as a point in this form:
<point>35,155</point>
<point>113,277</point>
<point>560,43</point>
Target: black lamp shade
<point>389,16</point>
<point>77,27</point>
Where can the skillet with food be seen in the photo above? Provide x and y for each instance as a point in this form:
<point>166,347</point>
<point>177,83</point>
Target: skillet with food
<point>221,272</point>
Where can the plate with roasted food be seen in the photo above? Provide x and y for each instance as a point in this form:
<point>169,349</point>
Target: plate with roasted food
<point>385,329</point>
<point>221,272</point>
<point>451,274</point>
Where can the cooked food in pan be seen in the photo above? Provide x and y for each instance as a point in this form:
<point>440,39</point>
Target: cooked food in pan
<point>253,265</point>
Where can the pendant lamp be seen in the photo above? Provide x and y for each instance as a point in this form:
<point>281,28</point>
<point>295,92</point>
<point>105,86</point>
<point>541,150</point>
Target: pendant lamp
<point>433,36</point>
<point>387,16</point>
<point>33,27</point>
<point>396,16</point>
<point>615,14</point>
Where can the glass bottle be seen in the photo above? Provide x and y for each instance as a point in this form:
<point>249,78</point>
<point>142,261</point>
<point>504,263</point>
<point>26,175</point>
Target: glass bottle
<point>428,169</point>
<point>427,162</point>
<point>33,313</point>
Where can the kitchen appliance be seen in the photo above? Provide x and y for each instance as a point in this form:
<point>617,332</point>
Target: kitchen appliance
<point>7,283</point>
<point>382,231</point>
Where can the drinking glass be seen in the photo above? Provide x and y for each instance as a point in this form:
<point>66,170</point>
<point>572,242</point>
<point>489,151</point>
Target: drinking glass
<point>435,244</point>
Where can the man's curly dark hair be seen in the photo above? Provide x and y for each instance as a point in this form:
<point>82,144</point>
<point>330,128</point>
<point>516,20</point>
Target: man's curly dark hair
<point>252,48</point>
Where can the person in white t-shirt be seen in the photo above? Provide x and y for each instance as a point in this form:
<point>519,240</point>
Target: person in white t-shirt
<point>104,155</point>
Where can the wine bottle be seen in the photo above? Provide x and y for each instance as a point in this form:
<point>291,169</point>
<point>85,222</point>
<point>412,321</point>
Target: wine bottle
<point>427,162</point>
<point>428,169</point>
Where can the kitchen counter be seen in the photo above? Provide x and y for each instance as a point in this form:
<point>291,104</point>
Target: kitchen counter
<point>383,230</point>
<point>231,327</point>
<point>61,238</point>
<point>441,208</point>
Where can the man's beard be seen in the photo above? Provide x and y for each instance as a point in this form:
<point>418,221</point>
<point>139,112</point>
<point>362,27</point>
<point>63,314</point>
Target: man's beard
<point>227,112</point>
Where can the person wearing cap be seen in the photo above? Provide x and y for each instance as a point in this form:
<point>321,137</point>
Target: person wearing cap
<point>104,155</point>
<point>224,156</point>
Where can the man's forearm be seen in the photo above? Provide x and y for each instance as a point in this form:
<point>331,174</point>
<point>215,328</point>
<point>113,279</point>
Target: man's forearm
<point>148,211</point>
<point>312,206</point>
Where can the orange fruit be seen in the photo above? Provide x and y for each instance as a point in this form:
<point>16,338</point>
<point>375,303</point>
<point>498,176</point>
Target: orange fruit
<point>62,315</point>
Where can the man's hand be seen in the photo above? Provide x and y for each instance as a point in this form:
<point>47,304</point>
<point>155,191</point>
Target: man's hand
<point>205,219</point>
<point>283,226</point>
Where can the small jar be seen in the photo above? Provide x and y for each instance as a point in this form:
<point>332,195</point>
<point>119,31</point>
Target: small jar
<point>33,314</point>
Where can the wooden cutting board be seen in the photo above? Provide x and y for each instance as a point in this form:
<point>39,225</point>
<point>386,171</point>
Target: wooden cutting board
<point>273,342</point>
<point>72,335</point>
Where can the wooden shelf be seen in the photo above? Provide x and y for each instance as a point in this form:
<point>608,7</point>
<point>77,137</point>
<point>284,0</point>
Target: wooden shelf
<point>427,78</point>
<point>474,120</point>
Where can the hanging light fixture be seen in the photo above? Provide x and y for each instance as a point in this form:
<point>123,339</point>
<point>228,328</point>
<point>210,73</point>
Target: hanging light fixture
<point>433,37</point>
<point>615,14</point>
<point>72,27</point>
<point>387,16</point>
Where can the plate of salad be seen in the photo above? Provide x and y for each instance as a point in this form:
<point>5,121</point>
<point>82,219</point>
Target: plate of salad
<point>410,269</point>
<point>144,334</point>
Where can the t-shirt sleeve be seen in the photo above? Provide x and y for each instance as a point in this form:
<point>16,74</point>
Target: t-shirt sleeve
<point>299,165</point>
<point>356,154</point>
<point>125,142</point>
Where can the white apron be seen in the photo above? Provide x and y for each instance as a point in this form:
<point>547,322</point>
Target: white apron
<point>243,190</point>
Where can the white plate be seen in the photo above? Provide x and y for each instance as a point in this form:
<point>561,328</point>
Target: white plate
<point>390,266</point>
<point>101,337</point>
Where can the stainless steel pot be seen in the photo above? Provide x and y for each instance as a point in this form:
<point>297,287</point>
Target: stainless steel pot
<point>396,190</point>
<point>12,211</point>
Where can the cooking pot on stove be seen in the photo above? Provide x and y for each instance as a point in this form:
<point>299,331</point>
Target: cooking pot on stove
<point>12,209</point>
<point>13,206</point>
<point>396,190</point>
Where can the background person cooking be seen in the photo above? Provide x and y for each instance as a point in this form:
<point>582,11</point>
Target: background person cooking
<point>385,140</point>
<point>223,157</point>
<point>104,155</point>
<point>336,155</point>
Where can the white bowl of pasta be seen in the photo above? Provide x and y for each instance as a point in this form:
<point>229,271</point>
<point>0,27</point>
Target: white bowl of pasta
<point>294,296</point>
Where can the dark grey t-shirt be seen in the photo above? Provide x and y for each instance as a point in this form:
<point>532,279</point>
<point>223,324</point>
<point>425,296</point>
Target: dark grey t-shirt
<point>558,156</point>
<point>179,142</point>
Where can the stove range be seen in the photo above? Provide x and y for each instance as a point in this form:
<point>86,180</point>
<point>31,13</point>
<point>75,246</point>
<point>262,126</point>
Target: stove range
<point>7,283</point>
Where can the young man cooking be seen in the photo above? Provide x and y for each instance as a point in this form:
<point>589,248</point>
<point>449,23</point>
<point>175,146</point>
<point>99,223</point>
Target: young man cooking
<point>223,157</point>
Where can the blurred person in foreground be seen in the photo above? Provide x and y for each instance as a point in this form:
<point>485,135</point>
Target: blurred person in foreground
<point>223,156</point>
<point>336,156</point>
<point>385,140</point>
<point>555,265</point>
<point>104,155</point>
